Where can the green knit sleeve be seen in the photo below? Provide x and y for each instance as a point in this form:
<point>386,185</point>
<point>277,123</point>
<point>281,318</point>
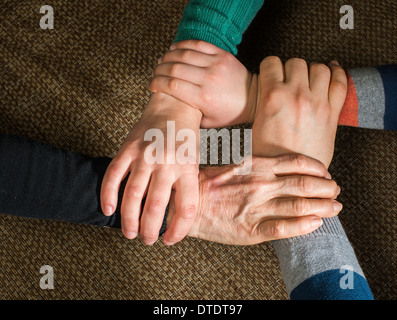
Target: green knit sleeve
<point>220,22</point>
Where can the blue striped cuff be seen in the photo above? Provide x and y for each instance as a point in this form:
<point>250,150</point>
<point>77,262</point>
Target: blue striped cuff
<point>337,284</point>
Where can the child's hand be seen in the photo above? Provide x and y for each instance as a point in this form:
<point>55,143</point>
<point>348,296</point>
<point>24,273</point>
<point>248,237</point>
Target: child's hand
<point>210,79</point>
<point>156,179</point>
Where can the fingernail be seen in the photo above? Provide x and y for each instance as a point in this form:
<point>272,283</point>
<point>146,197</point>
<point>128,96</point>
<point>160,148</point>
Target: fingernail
<point>328,176</point>
<point>337,206</point>
<point>160,60</point>
<point>335,63</point>
<point>149,243</point>
<point>168,243</point>
<point>130,235</point>
<point>108,211</point>
<point>316,222</point>
<point>338,191</point>
<point>173,47</point>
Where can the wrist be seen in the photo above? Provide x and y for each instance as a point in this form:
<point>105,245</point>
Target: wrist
<point>168,107</point>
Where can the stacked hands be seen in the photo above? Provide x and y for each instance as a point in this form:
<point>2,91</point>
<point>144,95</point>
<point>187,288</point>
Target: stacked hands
<point>294,110</point>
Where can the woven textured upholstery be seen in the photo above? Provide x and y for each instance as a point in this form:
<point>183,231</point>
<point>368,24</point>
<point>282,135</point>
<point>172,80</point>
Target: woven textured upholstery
<point>82,86</point>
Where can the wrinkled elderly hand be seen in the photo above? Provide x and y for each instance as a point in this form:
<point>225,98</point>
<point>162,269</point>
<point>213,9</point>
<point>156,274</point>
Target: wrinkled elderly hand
<point>281,197</point>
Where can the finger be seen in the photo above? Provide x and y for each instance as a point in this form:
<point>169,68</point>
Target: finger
<point>181,71</point>
<point>286,228</point>
<point>191,57</point>
<point>132,199</point>
<point>184,91</point>
<point>186,206</point>
<point>271,72</point>
<point>306,187</point>
<point>296,72</point>
<point>197,45</point>
<point>114,175</point>
<point>157,199</point>
<point>294,164</point>
<point>320,76</point>
<point>338,86</point>
<point>297,207</point>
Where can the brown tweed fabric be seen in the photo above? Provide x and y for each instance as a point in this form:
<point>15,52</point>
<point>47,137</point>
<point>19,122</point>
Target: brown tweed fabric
<point>81,87</point>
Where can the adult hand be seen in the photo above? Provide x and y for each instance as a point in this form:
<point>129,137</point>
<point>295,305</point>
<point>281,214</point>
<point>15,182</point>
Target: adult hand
<point>210,79</point>
<point>281,197</point>
<point>298,108</point>
<point>156,179</point>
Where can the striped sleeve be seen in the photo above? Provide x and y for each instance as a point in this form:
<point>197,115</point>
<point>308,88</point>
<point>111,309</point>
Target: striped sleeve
<point>322,265</point>
<point>372,98</point>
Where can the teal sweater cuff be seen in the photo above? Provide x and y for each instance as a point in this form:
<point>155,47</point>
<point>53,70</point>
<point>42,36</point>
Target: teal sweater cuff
<point>220,22</point>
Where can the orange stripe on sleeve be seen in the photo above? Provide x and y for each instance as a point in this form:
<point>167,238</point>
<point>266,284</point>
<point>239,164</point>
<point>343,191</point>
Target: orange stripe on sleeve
<point>349,114</point>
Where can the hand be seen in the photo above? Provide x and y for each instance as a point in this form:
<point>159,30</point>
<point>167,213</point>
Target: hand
<point>298,109</point>
<point>210,79</point>
<point>156,180</point>
<point>279,198</point>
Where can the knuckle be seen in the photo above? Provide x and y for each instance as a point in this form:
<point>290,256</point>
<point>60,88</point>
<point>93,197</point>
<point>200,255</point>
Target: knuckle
<point>154,206</point>
<point>200,44</point>
<point>296,61</point>
<point>303,101</point>
<point>320,68</point>
<point>189,213</point>
<point>301,207</point>
<point>212,75</point>
<point>206,97</point>
<point>173,84</point>
<point>225,59</point>
<point>278,229</point>
<point>186,55</point>
<point>305,185</point>
<point>300,161</point>
<point>134,192</point>
<point>270,60</point>
<point>175,69</point>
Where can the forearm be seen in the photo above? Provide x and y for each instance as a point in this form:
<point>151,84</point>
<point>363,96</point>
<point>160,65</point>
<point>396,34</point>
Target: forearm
<point>220,22</point>
<point>43,182</point>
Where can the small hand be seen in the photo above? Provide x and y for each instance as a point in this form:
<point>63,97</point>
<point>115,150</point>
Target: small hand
<point>209,79</point>
<point>155,179</point>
